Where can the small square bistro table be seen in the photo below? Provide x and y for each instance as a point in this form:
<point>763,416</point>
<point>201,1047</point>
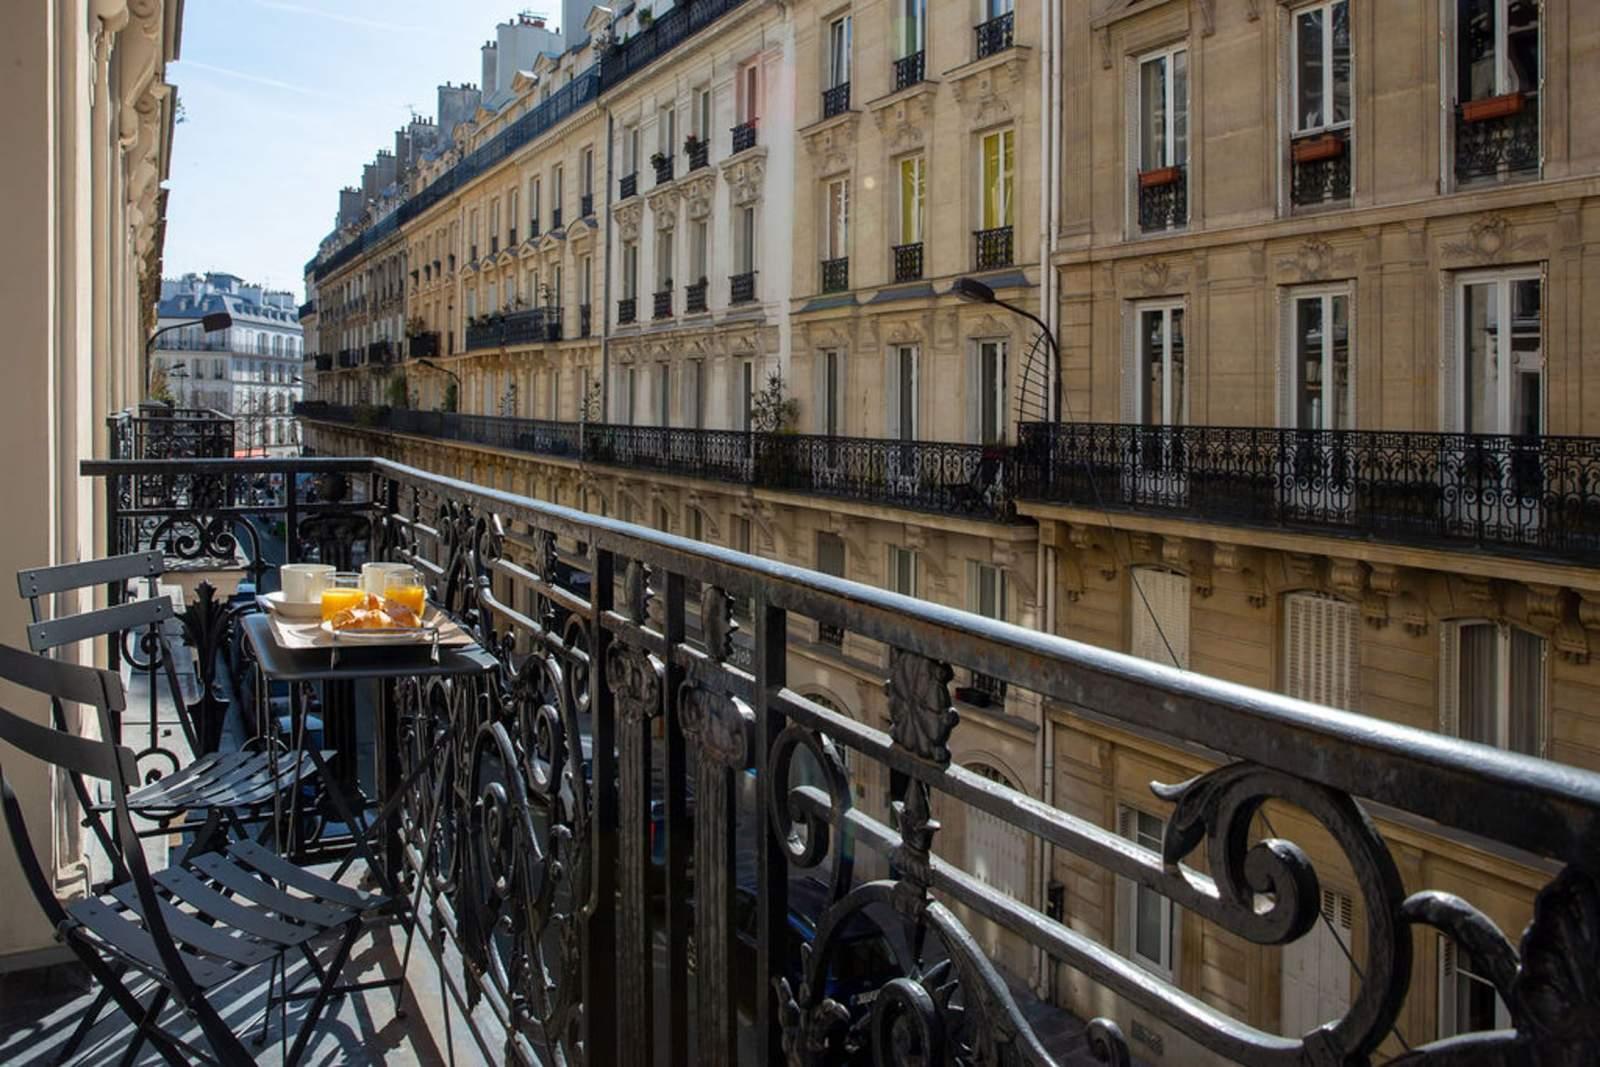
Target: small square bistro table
<point>338,677</point>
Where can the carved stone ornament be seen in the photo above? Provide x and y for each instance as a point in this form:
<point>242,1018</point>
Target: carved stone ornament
<point>921,716</point>
<point>628,217</point>
<point>1493,239</point>
<point>1157,277</point>
<point>988,93</point>
<point>697,195</point>
<point>904,122</point>
<point>664,209</point>
<point>832,147</point>
<point>746,176</point>
<point>1315,260</point>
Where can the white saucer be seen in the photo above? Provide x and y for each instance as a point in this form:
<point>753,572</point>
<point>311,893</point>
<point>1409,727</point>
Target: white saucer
<point>294,609</point>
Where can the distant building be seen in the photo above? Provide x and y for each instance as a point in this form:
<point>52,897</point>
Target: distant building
<point>250,371</point>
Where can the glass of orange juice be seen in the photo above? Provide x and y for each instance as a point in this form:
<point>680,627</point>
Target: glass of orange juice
<point>344,592</point>
<point>403,585</point>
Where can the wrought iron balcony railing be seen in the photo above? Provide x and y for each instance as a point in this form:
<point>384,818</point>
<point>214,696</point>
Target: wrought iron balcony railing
<point>659,37</point>
<point>836,275</point>
<point>995,35</point>
<point>742,287</point>
<point>993,248</point>
<point>381,353</point>
<point>662,164</point>
<point>324,361</point>
<point>694,296</point>
<point>1519,495</point>
<point>836,101</point>
<point>618,711</point>
<point>1163,199</point>
<point>663,303</point>
<point>555,217</point>
<point>628,186</point>
<point>350,357</point>
<point>908,262</point>
<point>585,320</point>
<point>1498,137</point>
<point>1320,169</point>
<point>586,206</point>
<point>423,345</point>
<point>744,136</point>
<point>627,310</point>
<point>156,431</point>
<point>908,70</point>
<point>698,152</point>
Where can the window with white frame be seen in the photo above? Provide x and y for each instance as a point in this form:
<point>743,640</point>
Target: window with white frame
<point>631,149</point>
<point>554,397</point>
<point>1158,601</point>
<point>910,27</point>
<point>988,593</point>
<point>1492,684</point>
<point>1494,366</point>
<point>997,179</point>
<point>1468,1002</point>
<point>630,394</point>
<point>1148,923</point>
<point>989,385</point>
<point>1156,389</point>
<point>586,171</point>
<point>1497,89</point>
<point>702,114</point>
<point>748,91</point>
<point>667,130</point>
<point>1319,69</point>
<point>630,270</point>
<point>903,570</point>
<point>693,389</point>
<point>1159,139</point>
<point>747,392</point>
<point>904,409</point>
<point>699,246</point>
<point>557,192</point>
<point>664,260</point>
<point>746,256</point>
<point>663,391</point>
<point>1317,372</point>
<point>837,230</point>
<point>1321,649</point>
<point>829,392</point>
<point>913,172</point>
<point>838,61</point>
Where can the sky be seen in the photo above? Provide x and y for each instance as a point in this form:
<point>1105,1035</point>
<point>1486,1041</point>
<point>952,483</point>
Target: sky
<point>284,100</point>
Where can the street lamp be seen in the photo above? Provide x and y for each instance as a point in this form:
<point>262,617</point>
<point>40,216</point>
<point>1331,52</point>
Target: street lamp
<point>217,320</point>
<point>431,365</point>
<point>976,292</point>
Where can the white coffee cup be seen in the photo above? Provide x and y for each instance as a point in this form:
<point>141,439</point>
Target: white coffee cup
<point>303,583</point>
<point>373,575</point>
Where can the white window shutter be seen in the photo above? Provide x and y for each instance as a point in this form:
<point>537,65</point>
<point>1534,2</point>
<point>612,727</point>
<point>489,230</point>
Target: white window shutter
<point>1130,363</point>
<point>1354,358</point>
<point>891,391</point>
<point>1286,359</point>
<point>1450,678</point>
<point>1449,361</point>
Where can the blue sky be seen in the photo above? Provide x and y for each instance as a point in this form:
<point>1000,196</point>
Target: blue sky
<point>284,100</point>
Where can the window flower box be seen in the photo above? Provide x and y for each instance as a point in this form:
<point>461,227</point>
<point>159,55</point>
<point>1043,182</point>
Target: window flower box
<point>1152,179</point>
<point>1492,107</point>
<point>1316,149</point>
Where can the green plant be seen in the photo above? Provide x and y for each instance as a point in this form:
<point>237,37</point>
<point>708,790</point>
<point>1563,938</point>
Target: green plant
<point>589,411</point>
<point>399,397</point>
<point>646,17</point>
<point>450,397</point>
<point>772,410</point>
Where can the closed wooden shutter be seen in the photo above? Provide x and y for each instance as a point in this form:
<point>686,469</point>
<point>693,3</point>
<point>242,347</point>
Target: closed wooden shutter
<point>1450,678</point>
<point>1159,602</point>
<point>1320,649</point>
<point>1130,363</point>
<point>1450,415</point>
<point>1316,970</point>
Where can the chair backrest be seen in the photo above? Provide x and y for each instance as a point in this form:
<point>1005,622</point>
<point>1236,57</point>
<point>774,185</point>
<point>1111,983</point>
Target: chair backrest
<point>42,581</point>
<point>38,582</point>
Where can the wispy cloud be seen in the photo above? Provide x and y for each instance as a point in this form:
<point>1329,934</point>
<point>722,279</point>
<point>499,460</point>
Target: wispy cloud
<point>338,16</point>
<point>256,79</point>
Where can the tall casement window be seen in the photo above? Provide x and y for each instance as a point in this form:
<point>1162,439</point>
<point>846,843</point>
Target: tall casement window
<point>1320,649</point>
<point>747,105</point>
<point>1147,922</point>
<point>910,29</point>
<point>745,258</point>
<point>630,395</point>
<point>664,260</point>
<point>1499,75</point>
<point>1494,356</point>
<point>996,180</point>
<point>494,225</point>
<point>667,131</point>
<point>1158,602</point>
<point>903,570</point>
<point>632,147</point>
<point>702,114</point>
<point>586,280</point>
<point>987,392</point>
<point>692,391</point>
<point>1316,379</point>
<point>746,392</point>
<point>699,248</point>
<point>663,391</point>
<point>837,231</point>
<point>1319,103</point>
<point>513,213</point>
<point>557,196</point>
<point>828,392</point>
<point>630,270</point>
<point>901,389</point>
<point>1492,684</point>
<point>838,61</point>
<point>913,187</point>
<point>1158,139</point>
<point>586,172</point>
<point>473,235</point>
<point>533,207</point>
<point>1155,392</point>
<point>1467,998</point>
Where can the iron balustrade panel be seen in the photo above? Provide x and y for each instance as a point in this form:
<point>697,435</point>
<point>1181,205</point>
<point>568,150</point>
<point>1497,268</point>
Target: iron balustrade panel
<point>996,35</point>
<point>1324,176</point>
<point>555,218</point>
<point>350,357</point>
<point>836,275</point>
<point>698,153</point>
<point>993,248</point>
<point>586,206</point>
<point>585,320</point>
<point>324,361</point>
<point>1533,496</point>
<point>554,323</point>
<point>152,432</point>
<point>627,310</point>
<point>618,713</point>
<point>908,262</point>
<point>744,136</point>
<point>694,296</point>
<point>1505,146</point>
<point>949,478</point>
<point>485,334</point>
<point>742,287</point>
<point>1165,205</point>
<point>523,327</point>
<point>908,70</point>
<point>663,304</point>
<point>836,101</point>
<point>662,165</point>
<point>423,345</point>
<point>628,186</point>
<point>718,455</point>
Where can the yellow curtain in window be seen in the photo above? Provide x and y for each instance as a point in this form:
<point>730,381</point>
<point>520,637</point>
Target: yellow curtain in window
<point>998,168</point>
<point>911,200</point>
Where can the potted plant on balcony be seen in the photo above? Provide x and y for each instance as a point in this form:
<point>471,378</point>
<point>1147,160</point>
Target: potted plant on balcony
<point>1493,107</point>
<point>416,326</point>
<point>659,160</point>
<point>691,147</point>
<point>773,413</point>
<point>646,18</point>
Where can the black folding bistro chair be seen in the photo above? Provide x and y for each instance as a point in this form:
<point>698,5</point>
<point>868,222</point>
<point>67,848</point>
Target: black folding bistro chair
<point>224,789</point>
<point>192,928</point>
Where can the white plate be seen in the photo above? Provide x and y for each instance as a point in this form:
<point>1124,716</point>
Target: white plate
<point>294,609</point>
<point>393,635</point>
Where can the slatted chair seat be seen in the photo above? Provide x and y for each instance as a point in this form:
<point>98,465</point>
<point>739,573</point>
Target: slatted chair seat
<point>223,911</point>
<point>235,781</point>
